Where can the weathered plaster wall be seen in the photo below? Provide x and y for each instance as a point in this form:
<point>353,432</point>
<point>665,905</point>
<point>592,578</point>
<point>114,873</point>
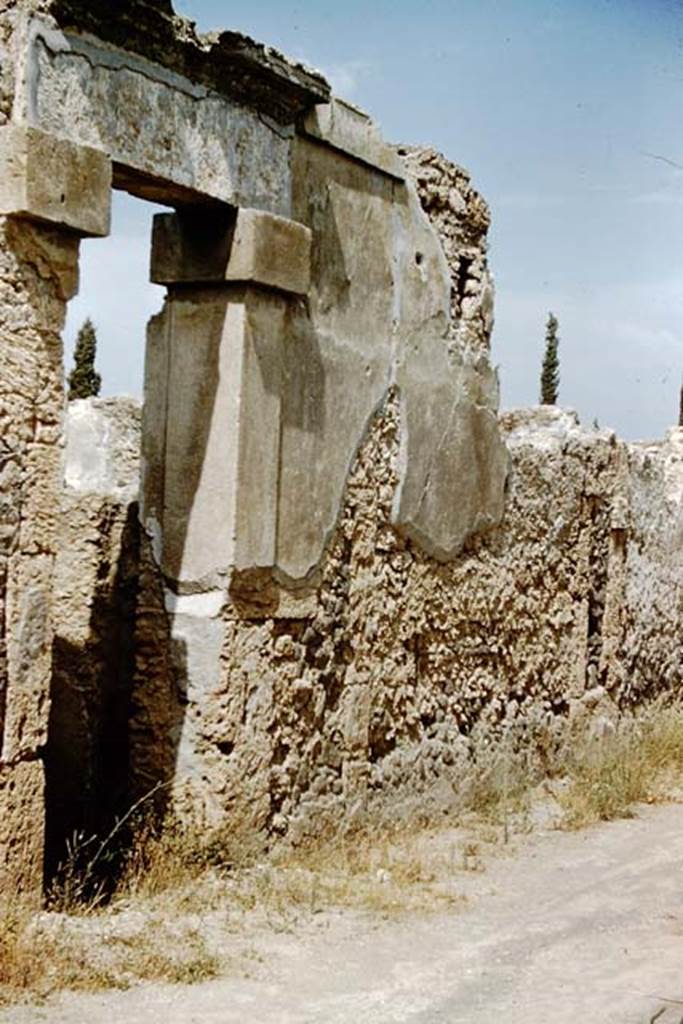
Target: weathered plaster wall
<point>378,317</point>
<point>294,386</point>
<point>291,368</point>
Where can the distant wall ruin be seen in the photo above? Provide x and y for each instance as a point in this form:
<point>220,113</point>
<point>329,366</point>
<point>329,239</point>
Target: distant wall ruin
<point>324,584</point>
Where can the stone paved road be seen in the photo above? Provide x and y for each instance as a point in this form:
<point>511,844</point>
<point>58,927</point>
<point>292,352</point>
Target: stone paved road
<point>580,928</point>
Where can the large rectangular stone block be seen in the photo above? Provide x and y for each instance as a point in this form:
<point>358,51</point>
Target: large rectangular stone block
<point>168,129</point>
<point>223,441</point>
<point>271,251</point>
<point>215,245</point>
<point>348,129</point>
<point>53,181</point>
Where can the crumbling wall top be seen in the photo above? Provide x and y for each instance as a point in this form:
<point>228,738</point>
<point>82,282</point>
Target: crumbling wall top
<point>225,62</point>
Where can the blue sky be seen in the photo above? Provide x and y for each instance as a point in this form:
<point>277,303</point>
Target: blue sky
<point>568,114</point>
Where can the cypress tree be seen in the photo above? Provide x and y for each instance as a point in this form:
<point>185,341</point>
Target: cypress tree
<point>550,373</point>
<point>84,380</point>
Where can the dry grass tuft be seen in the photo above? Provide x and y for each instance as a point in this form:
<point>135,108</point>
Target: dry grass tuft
<point>387,871</point>
<point>640,759</point>
<point>100,951</point>
<point>156,927</point>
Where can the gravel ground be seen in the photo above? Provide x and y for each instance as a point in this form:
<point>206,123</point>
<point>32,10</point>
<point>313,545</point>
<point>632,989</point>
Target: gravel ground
<point>568,928</point>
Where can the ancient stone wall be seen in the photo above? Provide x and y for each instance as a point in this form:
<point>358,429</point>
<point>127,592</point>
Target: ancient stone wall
<point>299,373</point>
<point>330,584</point>
<point>645,602</point>
<point>461,218</point>
<point>76,115</point>
<point>51,195</point>
<point>367,695</point>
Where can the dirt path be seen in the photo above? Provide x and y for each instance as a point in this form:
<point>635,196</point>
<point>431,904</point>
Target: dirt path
<point>578,928</point>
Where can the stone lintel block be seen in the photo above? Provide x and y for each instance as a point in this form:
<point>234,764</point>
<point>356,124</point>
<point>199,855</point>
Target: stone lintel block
<point>53,181</point>
<point>271,251</point>
<point>217,245</point>
<point>348,129</point>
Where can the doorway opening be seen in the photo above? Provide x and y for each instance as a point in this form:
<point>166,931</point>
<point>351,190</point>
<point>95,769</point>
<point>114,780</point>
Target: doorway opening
<point>97,565</point>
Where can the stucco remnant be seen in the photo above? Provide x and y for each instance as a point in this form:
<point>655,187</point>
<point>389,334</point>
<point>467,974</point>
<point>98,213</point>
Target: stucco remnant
<point>305,382</point>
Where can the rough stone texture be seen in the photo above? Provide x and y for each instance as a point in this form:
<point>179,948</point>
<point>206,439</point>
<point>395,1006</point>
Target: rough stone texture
<point>94,592</point>
<point>38,271</point>
<point>285,721</point>
<point>22,829</point>
<point>332,589</point>
<point>644,603</point>
<point>6,61</point>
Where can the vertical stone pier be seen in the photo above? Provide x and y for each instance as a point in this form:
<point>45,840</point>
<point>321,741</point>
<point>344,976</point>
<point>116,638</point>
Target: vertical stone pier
<point>211,441</point>
<point>51,194</point>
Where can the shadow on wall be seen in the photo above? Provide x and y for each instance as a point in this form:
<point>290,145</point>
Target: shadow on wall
<point>87,754</point>
<point>218,392</point>
<point>249,393</point>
